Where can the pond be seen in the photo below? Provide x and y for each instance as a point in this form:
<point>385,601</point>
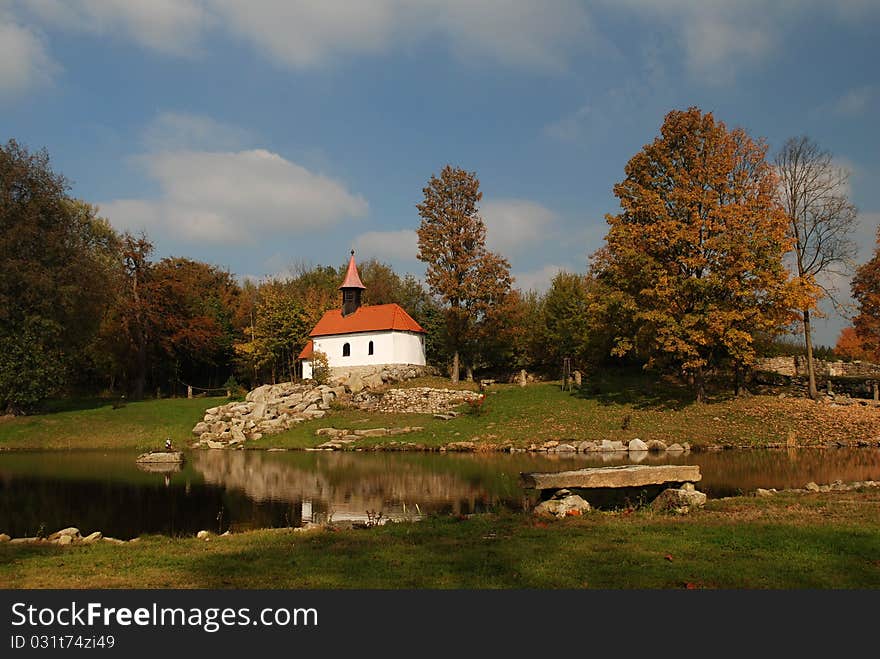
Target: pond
<point>43,491</point>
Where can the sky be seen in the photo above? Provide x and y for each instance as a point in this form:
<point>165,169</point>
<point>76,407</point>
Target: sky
<point>267,134</point>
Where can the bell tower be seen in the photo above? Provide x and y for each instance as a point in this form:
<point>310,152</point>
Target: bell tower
<point>352,288</point>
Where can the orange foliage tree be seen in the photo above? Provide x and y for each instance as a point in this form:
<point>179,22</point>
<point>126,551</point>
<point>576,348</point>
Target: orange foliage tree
<point>694,260</point>
<point>866,292</point>
<point>851,346</point>
<point>469,279</point>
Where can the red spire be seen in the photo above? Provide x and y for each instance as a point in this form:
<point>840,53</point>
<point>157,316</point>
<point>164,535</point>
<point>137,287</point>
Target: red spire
<point>352,278</point>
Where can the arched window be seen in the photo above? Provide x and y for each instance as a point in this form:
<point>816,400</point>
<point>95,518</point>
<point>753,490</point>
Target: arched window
<point>346,350</point>
<point>370,348</point>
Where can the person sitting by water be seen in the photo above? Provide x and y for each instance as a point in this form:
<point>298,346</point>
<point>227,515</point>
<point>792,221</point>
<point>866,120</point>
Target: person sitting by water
<point>168,444</point>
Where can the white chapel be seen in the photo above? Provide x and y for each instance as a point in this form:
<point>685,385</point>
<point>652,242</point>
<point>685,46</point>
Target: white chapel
<point>358,335</point>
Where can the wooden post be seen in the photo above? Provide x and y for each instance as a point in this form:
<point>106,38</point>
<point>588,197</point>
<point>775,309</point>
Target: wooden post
<point>189,391</point>
<point>830,388</point>
<point>876,391</point>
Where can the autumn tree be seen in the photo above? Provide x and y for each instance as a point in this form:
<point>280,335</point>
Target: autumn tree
<point>467,277</point>
<point>812,190</point>
<point>695,257</point>
<point>192,306</point>
<point>866,292</point>
<point>850,346</point>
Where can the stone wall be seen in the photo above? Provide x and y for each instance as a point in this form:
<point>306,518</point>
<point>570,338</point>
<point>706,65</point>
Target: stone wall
<point>796,366</point>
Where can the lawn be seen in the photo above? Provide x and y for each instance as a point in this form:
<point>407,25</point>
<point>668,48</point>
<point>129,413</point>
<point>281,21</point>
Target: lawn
<point>98,423</point>
<point>816,541</point>
<point>615,409</point>
<point>611,407</point>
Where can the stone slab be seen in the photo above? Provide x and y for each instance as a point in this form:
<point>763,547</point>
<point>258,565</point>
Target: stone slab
<point>161,456</point>
<point>624,476</point>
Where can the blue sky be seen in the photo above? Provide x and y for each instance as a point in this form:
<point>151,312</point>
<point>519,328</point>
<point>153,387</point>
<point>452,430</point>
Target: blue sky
<point>259,135</point>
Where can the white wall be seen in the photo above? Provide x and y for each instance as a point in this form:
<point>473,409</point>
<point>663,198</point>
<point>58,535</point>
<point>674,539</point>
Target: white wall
<point>389,347</point>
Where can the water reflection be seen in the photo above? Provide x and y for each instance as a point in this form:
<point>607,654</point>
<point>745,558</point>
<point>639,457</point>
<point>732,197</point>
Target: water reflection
<point>220,490</point>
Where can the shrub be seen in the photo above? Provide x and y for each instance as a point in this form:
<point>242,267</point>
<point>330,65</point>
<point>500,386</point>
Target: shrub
<point>320,367</point>
<point>476,406</point>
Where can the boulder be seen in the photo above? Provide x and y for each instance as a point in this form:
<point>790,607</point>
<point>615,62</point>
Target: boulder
<point>679,500</point>
<point>4,537</point>
<point>637,445</point>
<point>761,492</point>
<point>608,445</point>
<point>355,383</point>
<point>811,487</point>
<point>372,381</point>
<point>200,428</point>
<point>203,535</point>
<point>675,448</point>
<point>92,537</point>
<point>69,531</point>
<point>567,505</point>
<point>586,447</point>
<point>565,448</point>
<point>65,540</point>
<point>656,446</point>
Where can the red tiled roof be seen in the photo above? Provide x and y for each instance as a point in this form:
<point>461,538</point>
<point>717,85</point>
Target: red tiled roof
<point>307,351</point>
<point>366,319</point>
<point>352,278</point>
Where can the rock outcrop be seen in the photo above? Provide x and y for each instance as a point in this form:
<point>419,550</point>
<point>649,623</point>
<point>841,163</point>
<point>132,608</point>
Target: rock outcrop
<point>274,408</point>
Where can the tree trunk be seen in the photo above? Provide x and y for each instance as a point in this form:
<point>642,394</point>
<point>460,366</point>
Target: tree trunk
<point>469,373</point>
<point>811,370</point>
<point>699,381</point>
<point>737,385</point>
<point>455,368</point>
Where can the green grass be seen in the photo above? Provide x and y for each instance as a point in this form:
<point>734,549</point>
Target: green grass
<point>94,423</point>
<point>611,407</point>
<point>789,541</point>
<point>615,408</point>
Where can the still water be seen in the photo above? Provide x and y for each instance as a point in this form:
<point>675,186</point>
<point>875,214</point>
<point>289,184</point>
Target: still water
<point>238,490</point>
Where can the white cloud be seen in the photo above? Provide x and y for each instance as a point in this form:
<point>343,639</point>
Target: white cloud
<point>24,60</point>
<point>512,225</point>
<point>306,33</point>
<point>392,246</point>
<point>229,197</point>
<point>175,131</point>
<point>169,26</point>
<point>855,101</point>
<point>537,280</point>
<point>303,33</point>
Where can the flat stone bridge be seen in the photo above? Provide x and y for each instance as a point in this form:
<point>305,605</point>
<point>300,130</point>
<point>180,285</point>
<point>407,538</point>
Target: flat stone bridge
<point>612,477</point>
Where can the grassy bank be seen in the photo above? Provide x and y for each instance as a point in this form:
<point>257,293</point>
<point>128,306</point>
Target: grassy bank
<point>789,541</point>
<point>96,423</point>
<point>615,408</point>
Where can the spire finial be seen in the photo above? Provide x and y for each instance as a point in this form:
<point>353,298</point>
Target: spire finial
<point>352,252</point>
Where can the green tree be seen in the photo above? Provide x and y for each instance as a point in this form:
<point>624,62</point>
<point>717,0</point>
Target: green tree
<point>56,256</point>
<point>566,318</point>
<point>280,331</point>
